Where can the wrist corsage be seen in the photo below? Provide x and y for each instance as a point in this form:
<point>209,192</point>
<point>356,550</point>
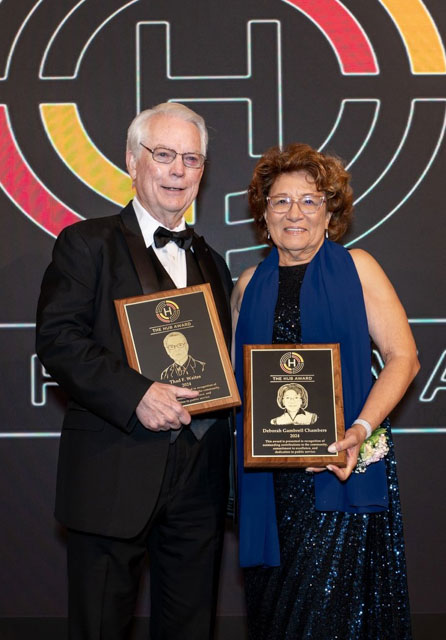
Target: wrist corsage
<point>372,450</point>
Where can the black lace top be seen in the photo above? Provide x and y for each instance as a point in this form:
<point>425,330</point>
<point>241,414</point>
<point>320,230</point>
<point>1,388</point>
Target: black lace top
<point>287,313</point>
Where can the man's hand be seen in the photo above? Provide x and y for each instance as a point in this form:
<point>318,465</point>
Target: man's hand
<point>159,409</point>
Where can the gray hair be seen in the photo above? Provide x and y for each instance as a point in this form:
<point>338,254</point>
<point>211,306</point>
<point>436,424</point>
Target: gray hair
<point>172,109</point>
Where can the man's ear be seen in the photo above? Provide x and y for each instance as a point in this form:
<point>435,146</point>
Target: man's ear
<point>130,161</point>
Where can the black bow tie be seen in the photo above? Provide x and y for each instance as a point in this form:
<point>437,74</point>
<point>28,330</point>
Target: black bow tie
<point>182,238</point>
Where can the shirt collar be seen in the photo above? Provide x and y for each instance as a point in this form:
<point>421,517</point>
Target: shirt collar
<point>148,224</point>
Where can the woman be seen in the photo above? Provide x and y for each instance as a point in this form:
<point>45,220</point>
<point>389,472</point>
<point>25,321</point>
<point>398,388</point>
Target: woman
<point>323,551</point>
<point>293,398</point>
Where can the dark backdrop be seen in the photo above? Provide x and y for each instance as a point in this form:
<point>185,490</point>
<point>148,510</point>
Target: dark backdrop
<point>365,80</point>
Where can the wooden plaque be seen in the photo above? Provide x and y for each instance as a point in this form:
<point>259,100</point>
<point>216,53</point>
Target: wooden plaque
<point>293,407</point>
<point>175,337</point>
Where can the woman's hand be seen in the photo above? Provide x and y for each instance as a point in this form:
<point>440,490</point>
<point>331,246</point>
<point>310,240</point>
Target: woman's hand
<point>354,437</point>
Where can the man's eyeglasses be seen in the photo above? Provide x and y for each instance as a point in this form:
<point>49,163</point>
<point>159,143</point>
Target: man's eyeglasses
<point>166,156</point>
<point>307,204</point>
<point>173,347</point>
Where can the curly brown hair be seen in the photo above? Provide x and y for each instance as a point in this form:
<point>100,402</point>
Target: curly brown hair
<point>327,171</point>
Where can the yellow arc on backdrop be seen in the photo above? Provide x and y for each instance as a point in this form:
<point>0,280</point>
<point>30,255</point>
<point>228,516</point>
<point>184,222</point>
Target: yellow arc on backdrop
<point>419,33</point>
<point>72,143</point>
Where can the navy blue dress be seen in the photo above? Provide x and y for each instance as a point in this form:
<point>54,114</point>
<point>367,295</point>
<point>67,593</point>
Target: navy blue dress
<point>342,576</point>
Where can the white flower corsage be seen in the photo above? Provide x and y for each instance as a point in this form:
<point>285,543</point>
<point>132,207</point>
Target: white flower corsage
<point>372,450</point>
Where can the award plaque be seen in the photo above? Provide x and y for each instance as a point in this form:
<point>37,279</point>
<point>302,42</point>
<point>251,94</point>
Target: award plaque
<point>293,405</point>
<point>175,337</point>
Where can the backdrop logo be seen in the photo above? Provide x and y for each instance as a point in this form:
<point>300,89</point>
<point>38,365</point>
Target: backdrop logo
<point>362,79</point>
<point>309,71</point>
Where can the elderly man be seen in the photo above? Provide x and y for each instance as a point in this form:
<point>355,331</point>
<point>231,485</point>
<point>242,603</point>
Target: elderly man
<point>135,473</point>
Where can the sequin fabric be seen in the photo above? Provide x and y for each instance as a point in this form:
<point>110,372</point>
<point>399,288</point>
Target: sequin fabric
<point>342,576</point>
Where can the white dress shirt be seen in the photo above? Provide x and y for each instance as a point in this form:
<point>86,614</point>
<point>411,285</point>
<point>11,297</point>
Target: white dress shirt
<point>171,256</point>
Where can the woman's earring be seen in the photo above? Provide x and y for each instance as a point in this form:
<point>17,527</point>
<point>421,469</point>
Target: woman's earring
<point>326,233</point>
<point>268,235</point>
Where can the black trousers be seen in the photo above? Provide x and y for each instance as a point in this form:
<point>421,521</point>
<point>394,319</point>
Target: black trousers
<point>184,537</point>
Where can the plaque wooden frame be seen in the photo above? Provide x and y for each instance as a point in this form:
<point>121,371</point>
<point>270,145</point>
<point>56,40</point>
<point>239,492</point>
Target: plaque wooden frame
<point>274,443</point>
<point>148,319</point>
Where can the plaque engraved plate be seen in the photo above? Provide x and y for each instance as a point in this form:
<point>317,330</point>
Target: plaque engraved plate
<point>293,405</point>
<point>175,337</point>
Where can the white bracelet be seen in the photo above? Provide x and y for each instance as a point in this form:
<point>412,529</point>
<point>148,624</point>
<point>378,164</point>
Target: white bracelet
<point>366,425</point>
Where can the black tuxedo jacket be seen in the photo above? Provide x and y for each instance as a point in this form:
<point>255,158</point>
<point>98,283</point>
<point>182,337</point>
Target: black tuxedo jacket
<point>110,467</point>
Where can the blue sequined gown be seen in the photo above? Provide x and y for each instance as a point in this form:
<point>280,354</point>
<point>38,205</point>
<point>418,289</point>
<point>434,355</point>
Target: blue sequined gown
<point>342,576</point>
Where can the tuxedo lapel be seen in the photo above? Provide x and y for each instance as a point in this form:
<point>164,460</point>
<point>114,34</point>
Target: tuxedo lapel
<point>211,274</point>
<point>135,242</point>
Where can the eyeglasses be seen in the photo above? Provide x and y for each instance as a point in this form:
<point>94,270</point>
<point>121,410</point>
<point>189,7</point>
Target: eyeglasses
<point>307,204</point>
<point>167,156</point>
<point>172,347</point>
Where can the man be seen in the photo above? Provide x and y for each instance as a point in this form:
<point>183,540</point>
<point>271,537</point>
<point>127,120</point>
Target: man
<point>183,364</point>
<point>134,472</point>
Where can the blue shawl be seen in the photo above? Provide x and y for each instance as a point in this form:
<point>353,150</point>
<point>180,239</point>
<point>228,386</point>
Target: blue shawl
<point>332,310</point>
